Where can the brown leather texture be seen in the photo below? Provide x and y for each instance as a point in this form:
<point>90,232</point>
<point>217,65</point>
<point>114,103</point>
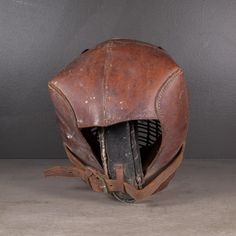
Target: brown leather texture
<point>114,82</point>
<point>72,137</point>
<point>121,80</point>
<point>172,111</point>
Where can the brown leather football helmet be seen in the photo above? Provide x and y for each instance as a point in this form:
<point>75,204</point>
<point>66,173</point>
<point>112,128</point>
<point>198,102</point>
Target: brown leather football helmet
<point>123,112</point>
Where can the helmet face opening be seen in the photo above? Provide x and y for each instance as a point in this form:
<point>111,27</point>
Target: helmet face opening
<point>123,112</point>
<point>133,144</point>
<point>148,135</point>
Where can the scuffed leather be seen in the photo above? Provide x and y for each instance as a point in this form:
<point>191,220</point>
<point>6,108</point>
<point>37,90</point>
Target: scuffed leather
<point>116,81</point>
<point>121,80</point>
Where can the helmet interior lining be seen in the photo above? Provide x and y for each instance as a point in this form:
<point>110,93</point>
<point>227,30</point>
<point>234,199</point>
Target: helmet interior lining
<point>148,133</point>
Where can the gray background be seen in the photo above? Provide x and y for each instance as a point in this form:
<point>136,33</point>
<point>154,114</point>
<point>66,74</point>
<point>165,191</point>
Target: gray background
<point>37,38</point>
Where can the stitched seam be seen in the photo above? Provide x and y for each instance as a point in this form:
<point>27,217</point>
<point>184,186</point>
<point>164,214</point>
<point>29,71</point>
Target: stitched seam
<point>165,86</point>
<point>53,87</point>
<point>58,91</point>
<point>107,67</point>
<point>158,98</point>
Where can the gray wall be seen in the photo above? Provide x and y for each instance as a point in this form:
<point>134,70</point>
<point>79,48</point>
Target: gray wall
<point>37,38</point>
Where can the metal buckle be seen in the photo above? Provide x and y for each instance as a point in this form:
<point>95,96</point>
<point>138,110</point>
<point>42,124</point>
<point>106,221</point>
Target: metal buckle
<point>103,184</point>
<point>101,179</point>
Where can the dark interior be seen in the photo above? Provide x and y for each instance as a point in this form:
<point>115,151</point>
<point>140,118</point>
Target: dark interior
<point>148,134</point>
<point>149,138</point>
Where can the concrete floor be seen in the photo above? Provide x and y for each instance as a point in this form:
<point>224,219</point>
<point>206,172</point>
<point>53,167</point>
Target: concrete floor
<point>200,201</point>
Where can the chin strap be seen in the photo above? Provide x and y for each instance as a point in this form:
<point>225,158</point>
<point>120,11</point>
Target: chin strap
<point>100,182</point>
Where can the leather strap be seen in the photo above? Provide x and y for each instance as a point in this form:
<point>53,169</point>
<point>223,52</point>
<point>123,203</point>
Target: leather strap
<point>152,187</point>
<point>100,182</point>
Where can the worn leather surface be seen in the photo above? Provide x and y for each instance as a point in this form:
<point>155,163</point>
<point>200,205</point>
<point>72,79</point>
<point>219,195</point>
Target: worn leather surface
<point>72,137</point>
<point>116,81</point>
<point>172,111</point>
<point>122,80</point>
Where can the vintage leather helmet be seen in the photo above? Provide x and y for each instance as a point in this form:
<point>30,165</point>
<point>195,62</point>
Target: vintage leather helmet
<point>123,112</point>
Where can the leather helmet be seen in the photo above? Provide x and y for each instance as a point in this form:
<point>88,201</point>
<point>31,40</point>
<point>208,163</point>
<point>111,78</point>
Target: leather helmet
<point>123,112</point>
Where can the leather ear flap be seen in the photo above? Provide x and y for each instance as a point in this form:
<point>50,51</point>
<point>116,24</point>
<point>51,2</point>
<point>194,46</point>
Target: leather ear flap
<point>172,111</point>
<point>71,135</point>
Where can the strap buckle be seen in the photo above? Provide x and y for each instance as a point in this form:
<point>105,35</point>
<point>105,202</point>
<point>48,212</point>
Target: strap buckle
<point>101,178</point>
<point>103,184</point>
